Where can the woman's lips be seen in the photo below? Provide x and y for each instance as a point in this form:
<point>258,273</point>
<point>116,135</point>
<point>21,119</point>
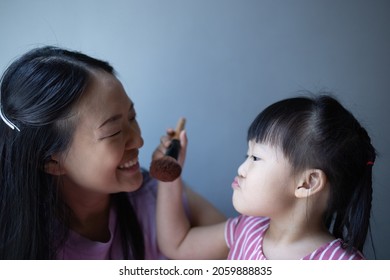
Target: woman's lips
<point>131,167</point>
<point>128,164</point>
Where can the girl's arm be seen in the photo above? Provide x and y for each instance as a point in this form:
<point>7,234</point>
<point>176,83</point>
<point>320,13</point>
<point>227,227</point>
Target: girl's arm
<point>177,238</point>
<point>180,238</point>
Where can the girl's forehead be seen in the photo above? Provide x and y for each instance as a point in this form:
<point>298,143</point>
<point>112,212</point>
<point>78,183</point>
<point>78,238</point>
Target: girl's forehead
<point>253,145</point>
<point>266,149</point>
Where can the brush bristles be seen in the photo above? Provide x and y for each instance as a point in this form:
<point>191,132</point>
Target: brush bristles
<point>165,169</point>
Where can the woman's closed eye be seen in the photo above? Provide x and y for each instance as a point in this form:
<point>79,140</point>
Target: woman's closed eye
<point>115,134</point>
<point>131,118</point>
<point>111,135</point>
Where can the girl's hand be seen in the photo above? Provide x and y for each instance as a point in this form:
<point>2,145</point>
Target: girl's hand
<point>165,141</point>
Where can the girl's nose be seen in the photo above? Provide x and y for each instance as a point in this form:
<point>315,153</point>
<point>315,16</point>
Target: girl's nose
<point>242,170</point>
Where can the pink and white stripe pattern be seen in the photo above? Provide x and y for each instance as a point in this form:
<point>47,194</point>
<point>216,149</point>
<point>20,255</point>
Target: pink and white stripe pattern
<point>244,236</point>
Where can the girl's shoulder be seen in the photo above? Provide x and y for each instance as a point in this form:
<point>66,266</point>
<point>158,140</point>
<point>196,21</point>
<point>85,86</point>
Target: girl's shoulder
<point>243,226</point>
<point>334,250</point>
<point>243,221</point>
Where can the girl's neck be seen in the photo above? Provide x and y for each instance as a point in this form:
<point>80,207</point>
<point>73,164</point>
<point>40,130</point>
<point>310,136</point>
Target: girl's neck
<point>294,240</point>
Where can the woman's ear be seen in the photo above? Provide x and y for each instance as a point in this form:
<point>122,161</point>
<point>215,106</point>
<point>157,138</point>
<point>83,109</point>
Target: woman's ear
<point>53,166</point>
<point>311,182</point>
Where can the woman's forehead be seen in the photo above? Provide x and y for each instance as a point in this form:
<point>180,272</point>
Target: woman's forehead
<point>103,97</point>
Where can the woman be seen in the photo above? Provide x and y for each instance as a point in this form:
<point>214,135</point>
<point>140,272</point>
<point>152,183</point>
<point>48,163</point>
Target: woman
<point>71,183</point>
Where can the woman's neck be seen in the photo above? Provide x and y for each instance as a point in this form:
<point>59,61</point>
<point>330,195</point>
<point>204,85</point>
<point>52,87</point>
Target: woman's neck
<point>89,213</point>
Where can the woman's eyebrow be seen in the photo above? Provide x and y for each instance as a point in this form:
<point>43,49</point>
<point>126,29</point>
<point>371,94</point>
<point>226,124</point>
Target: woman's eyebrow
<point>115,117</point>
<point>111,119</point>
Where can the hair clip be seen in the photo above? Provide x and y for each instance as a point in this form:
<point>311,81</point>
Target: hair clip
<point>370,163</point>
<point>7,121</point>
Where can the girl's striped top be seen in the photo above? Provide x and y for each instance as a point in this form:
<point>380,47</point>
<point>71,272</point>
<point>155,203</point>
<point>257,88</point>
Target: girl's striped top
<point>244,236</point>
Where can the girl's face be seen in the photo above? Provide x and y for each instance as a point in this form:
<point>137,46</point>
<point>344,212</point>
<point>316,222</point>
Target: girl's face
<point>103,156</point>
<point>264,185</point>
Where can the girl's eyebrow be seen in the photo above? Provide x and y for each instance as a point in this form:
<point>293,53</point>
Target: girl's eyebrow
<point>115,117</point>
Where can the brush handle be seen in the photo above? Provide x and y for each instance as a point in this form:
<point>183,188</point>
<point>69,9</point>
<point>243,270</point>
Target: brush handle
<point>167,169</point>
<point>174,149</point>
<point>179,127</point>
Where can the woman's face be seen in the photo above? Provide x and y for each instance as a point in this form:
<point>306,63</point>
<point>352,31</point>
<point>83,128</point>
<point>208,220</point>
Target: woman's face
<point>103,156</point>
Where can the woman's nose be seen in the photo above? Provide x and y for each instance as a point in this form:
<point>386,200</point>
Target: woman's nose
<point>133,137</point>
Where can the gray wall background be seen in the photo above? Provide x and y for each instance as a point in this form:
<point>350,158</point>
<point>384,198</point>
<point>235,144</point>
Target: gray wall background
<point>220,62</point>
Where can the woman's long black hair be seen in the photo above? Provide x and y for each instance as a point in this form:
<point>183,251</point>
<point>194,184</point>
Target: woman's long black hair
<point>38,94</point>
<point>320,133</point>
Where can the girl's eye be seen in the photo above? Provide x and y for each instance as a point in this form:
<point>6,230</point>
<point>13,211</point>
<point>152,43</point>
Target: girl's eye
<point>254,158</point>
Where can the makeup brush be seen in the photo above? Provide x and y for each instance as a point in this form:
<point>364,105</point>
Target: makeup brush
<point>167,169</point>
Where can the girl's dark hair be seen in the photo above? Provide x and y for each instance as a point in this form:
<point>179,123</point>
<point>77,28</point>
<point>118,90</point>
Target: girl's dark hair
<point>320,133</point>
<point>38,94</point>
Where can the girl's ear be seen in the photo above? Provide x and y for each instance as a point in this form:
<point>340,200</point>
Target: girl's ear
<point>311,182</point>
<point>53,167</point>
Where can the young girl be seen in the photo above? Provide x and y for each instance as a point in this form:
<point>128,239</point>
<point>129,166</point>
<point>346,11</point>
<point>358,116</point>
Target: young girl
<point>71,186</point>
<point>304,191</point>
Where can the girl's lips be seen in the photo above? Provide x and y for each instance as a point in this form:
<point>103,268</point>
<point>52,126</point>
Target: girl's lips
<point>235,184</point>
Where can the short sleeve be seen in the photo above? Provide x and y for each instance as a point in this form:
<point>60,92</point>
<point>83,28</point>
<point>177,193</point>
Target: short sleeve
<point>230,230</point>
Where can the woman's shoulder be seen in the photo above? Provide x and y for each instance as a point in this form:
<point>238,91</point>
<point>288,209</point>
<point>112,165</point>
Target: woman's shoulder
<point>146,195</point>
<point>149,184</point>
<point>148,181</point>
